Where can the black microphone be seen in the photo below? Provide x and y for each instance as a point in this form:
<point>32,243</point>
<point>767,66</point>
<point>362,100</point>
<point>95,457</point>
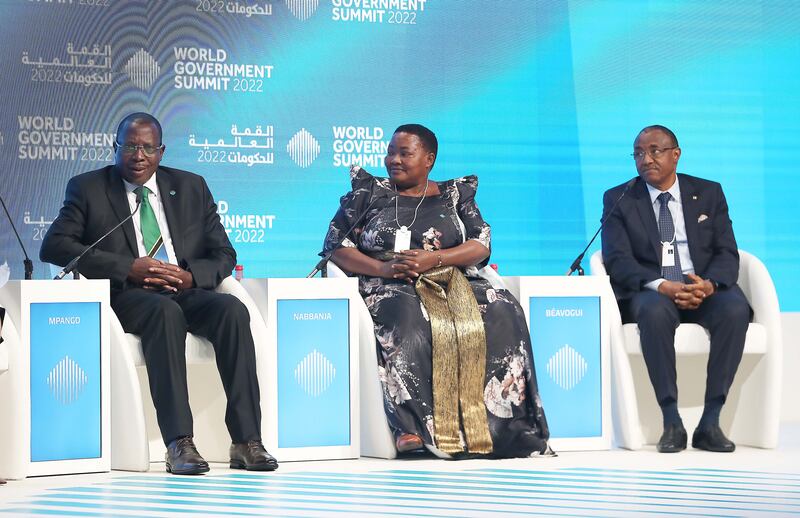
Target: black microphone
<point>327,256</point>
<point>576,264</point>
<point>72,264</point>
<point>27,262</point>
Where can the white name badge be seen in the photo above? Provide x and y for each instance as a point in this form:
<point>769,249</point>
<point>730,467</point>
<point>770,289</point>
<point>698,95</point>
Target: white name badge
<point>402,239</point>
<point>667,255</point>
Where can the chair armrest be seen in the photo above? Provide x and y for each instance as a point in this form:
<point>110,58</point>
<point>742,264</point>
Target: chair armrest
<point>7,331</point>
<point>757,285</point>
<point>333,270</point>
<point>493,277</point>
<point>258,327</point>
<point>596,266</point>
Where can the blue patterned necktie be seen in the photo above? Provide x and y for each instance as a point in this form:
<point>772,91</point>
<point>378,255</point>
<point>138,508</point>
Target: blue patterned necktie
<point>666,228</point>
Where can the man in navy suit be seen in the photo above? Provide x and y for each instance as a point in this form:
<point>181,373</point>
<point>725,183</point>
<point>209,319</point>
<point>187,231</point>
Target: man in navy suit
<point>163,299</point>
<point>672,257</point>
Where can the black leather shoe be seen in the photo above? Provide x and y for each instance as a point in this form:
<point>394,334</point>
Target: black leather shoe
<point>252,456</point>
<point>673,439</point>
<point>183,459</point>
<point>711,438</point>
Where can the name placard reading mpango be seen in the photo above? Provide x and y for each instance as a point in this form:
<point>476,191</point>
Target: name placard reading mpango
<point>313,373</point>
<point>65,381</point>
<point>565,334</point>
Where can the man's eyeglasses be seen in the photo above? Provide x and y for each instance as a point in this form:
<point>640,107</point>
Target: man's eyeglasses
<point>654,152</point>
<point>130,149</point>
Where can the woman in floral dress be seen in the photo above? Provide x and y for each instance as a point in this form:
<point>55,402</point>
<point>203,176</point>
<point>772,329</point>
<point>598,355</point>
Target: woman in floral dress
<point>414,240</point>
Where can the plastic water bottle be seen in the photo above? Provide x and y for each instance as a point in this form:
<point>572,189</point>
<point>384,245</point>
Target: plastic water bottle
<point>238,272</point>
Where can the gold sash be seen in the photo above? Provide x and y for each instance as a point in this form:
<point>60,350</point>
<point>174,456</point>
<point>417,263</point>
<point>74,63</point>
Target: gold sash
<point>459,360</point>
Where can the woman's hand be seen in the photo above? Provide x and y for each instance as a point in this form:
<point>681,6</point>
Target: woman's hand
<point>397,268</point>
<point>391,269</point>
<point>405,266</point>
<point>410,264</point>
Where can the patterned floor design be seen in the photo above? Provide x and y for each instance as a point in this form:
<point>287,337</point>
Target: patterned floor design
<point>576,491</point>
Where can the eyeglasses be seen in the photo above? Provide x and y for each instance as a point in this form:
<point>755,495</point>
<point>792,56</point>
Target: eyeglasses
<point>130,149</point>
<point>654,152</point>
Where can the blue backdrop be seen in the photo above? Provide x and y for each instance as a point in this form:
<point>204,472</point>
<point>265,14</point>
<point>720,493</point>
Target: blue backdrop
<point>271,101</point>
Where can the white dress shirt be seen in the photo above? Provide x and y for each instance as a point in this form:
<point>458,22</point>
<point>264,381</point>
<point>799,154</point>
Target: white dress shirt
<point>158,209</point>
<point>681,243</point>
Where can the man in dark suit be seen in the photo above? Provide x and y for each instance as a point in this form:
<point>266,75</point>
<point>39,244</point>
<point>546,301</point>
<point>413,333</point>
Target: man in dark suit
<point>162,300</point>
<point>672,257</point>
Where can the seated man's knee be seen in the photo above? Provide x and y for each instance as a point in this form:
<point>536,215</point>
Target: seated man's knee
<point>167,311</point>
<point>231,308</point>
<point>657,310</point>
<point>734,310</point>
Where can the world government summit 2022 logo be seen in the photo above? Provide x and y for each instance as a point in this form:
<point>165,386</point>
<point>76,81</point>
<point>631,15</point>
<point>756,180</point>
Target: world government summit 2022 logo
<point>142,69</point>
<point>303,148</point>
<point>302,9</point>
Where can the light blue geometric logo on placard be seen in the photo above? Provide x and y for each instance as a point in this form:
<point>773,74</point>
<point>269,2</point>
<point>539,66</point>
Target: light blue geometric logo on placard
<point>567,367</point>
<point>66,381</point>
<point>315,373</point>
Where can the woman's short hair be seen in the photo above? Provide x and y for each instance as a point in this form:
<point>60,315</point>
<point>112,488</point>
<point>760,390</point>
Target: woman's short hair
<point>425,135</point>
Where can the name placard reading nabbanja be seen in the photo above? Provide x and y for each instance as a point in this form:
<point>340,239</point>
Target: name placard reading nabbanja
<point>313,373</point>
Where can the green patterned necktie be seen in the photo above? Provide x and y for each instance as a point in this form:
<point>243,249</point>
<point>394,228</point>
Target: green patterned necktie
<point>150,230</point>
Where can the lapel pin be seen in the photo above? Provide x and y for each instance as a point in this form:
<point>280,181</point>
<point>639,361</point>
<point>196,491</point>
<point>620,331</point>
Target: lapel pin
<point>694,197</point>
<point>172,193</point>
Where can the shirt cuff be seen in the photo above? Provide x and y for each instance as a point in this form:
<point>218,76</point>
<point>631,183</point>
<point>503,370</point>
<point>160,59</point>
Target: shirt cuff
<point>653,285</point>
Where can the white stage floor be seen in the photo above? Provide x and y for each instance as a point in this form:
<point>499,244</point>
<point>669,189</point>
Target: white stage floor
<point>748,482</point>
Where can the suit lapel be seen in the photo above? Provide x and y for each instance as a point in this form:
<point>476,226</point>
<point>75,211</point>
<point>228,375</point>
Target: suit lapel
<point>645,208</point>
<point>690,200</point>
<point>118,199</point>
<point>171,201</point>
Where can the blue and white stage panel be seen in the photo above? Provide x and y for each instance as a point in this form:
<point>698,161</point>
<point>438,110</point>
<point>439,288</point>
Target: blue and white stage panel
<point>568,320</point>
<point>489,491</point>
<point>65,381</point>
<point>313,373</point>
<point>310,394</point>
<point>565,332</point>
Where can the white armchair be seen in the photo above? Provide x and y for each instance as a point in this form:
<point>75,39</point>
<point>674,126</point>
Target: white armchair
<point>4,352</point>
<point>132,433</point>
<point>752,412</point>
<point>13,458</point>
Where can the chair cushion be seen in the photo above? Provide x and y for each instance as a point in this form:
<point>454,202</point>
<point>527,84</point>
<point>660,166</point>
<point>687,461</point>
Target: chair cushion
<point>693,339</point>
<point>198,350</point>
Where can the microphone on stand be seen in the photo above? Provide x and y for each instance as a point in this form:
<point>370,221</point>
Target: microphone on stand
<point>72,264</point>
<point>27,262</point>
<point>327,257</point>
<point>576,264</point>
